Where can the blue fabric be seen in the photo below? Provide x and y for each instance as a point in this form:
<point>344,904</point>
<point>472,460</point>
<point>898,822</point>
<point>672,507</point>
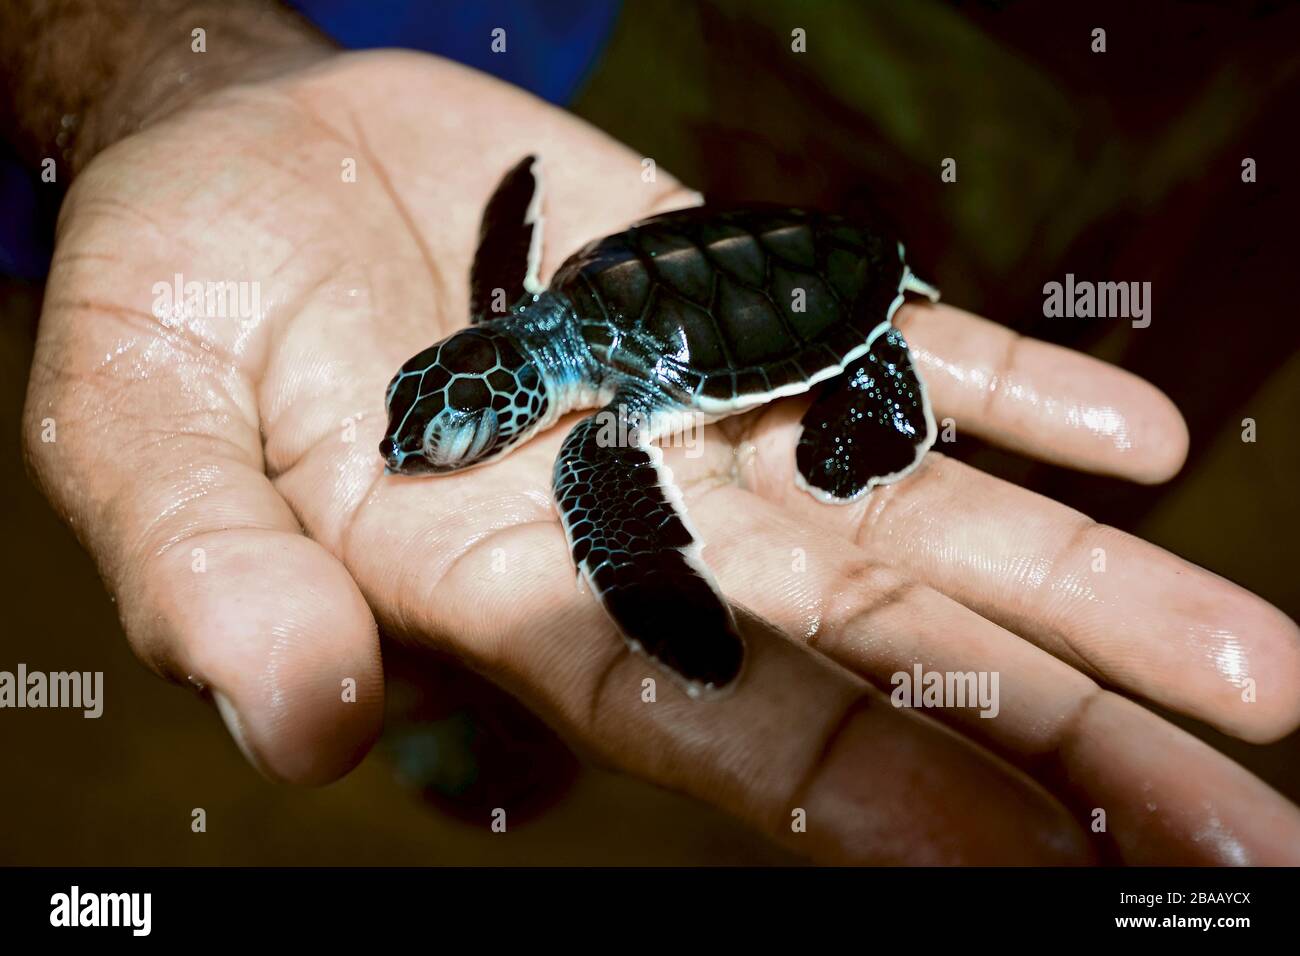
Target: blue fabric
<point>551,46</point>
<point>26,233</point>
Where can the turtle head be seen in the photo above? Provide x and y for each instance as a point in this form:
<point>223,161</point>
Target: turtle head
<point>464,401</point>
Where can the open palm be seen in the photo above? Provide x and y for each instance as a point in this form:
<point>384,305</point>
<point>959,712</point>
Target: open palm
<point>223,471</point>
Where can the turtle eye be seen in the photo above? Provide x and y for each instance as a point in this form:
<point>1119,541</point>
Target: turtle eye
<point>456,439</point>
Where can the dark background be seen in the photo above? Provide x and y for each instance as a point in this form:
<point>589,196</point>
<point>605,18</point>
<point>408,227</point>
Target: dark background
<point>1123,165</point>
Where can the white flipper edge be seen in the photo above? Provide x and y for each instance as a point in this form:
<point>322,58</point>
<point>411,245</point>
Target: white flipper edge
<point>534,217</point>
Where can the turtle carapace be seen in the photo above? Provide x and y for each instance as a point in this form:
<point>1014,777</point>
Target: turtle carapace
<point>692,315</point>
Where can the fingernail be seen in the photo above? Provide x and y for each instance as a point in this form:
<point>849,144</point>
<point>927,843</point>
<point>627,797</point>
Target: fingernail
<point>235,725</point>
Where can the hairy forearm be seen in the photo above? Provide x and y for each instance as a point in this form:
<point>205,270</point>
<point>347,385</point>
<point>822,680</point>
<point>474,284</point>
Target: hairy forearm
<point>81,74</point>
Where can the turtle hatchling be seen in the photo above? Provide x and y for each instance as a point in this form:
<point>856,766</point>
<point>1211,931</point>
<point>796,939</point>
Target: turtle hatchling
<point>686,317</point>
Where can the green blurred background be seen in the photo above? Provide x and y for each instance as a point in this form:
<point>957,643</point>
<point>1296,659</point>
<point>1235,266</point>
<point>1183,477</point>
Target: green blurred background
<point>1123,165</point>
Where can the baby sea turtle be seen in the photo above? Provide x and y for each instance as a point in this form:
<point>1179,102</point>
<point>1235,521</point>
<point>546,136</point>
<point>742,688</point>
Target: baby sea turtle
<point>687,317</point>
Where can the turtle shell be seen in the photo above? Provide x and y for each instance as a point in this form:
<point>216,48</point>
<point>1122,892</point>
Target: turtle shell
<point>730,308</point>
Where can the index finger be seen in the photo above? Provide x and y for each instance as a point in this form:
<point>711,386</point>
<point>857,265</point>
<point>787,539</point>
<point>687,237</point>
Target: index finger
<point>1043,400</point>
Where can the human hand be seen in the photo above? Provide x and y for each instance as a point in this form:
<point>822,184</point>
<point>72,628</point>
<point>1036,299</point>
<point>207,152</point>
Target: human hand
<point>255,441</point>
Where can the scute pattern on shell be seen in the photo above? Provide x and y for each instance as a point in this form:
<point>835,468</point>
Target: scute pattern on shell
<point>708,302</point>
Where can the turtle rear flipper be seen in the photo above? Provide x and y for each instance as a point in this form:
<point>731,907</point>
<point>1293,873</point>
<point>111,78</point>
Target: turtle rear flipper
<point>509,244</point>
<point>870,426</point>
<point>630,540</point>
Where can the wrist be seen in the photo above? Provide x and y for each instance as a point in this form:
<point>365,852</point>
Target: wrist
<point>86,73</point>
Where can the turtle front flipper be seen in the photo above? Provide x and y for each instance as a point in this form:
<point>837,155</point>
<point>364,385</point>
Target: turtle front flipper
<point>509,244</point>
<point>870,426</point>
<point>630,540</point>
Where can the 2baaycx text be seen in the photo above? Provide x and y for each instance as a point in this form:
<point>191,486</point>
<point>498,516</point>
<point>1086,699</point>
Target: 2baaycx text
<point>1178,896</point>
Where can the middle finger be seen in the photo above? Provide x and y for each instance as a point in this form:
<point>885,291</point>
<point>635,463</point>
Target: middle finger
<point>1102,600</point>
<point>1165,794</point>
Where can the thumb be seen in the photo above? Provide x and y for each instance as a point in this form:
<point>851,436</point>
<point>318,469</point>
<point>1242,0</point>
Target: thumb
<point>162,480</point>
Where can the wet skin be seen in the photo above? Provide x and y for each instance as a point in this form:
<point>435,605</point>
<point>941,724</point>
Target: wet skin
<point>234,437</point>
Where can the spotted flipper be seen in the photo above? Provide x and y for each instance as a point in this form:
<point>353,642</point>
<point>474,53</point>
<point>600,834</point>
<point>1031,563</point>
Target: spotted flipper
<point>870,426</point>
<point>627,529</point>
<point>509,244</point>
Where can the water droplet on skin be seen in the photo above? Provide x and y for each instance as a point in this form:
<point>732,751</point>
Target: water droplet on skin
<point>743,458</point>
